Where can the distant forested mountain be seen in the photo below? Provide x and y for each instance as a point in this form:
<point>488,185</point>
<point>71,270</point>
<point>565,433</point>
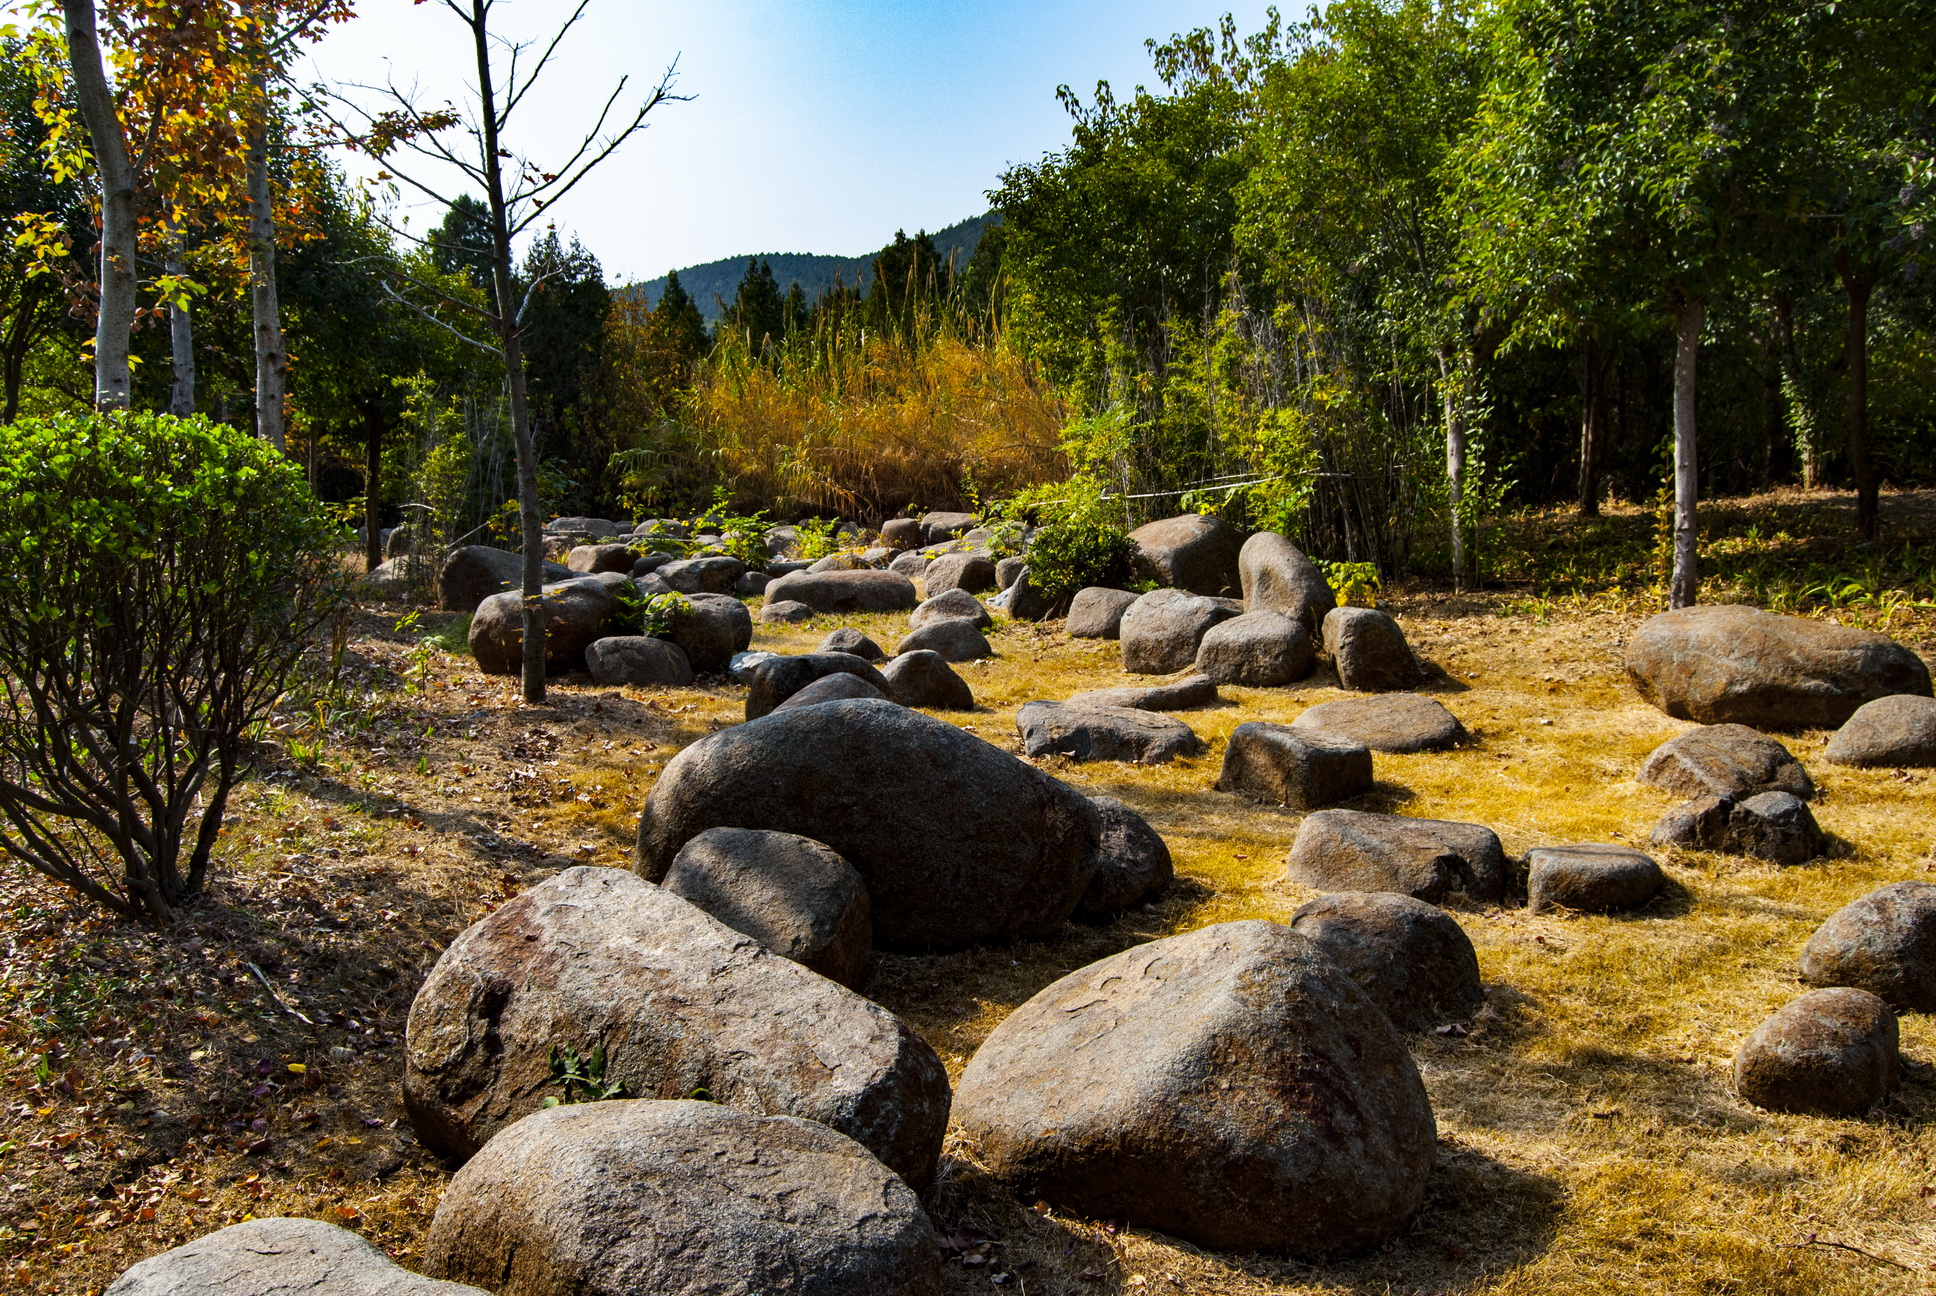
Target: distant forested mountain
<point>716,281</point>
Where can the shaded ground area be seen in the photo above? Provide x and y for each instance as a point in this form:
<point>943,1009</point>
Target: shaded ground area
<point>247,1062</point>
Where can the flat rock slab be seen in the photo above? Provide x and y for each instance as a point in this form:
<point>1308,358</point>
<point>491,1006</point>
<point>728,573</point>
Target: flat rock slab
<point>678,1001</point>
<point>791,894</point>
<point>1162,629</point>
<point>1740,665</point>
<point>278,1257</point>
<point>625,1198</point>
<point>1884,943</point>
<point>845,591</point>
<point>1231,1086</point>
<point>1190,691</point>
<point>1103,733</point>
<point>1596,877</point>
<point>1772,826</point>
<point>1427,859</point>
<point>1828,1053</point>
<point>1262,649</point>
<point>1896,732</point>
<point>1276,576</point>
<point>1369,651</point>
<point>1412,958</point>
<point>1097,613</point>
<point>924,679</point>
<point>1727,760</point>
<point>1132,863</point>
<point>961,843</point>
<point>1273,762</point>
<point>1390,722</point>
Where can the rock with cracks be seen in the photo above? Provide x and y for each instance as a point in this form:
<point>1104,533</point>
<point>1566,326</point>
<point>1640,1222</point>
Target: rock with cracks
<point>1262,649</point>
<point>1884,943</point>
<point>1194,552</point>
<point>1103,733</point>
<point>278,1257</point>
<point>1232,1086</point>
<point>1386,722</point>
<point>791,894</point>
<point>599,959</point>
<point>1772,826</point>
<point>1277,577</point>
<point>1132,863</point>
<point>1412,958</point>
<point>1597,877</point>
<point>628,1198</point>
<point>1369,651</point>
<point>1427,859</point>
<point>1828,1053</point>
<point>1726,760</point>
<point>1272,762</point>
<point>1162,630</point>
<point>1893,732</point>
<point>1740,665</point>
<point>961,843</point>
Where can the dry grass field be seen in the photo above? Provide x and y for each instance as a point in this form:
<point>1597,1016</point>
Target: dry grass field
<point>160,1085</point>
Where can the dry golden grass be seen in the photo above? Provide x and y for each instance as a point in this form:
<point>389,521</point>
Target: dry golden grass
<point>1588,1139</point>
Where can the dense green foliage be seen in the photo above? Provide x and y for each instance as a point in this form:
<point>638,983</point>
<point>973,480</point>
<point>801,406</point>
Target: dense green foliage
<point>164,577</point>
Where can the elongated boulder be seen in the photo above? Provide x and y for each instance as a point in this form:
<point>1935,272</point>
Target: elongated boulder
<point>1181,695</point>
<point>1594,877</point>
<point>278,1257</point>
<point>1370,651</point>
<point>711,575</point>
<point>1725,760</point>
<point>1273,762</point>
<point>1740,665</point>
<point>1232,1086</point>
<point>845,591</point>
<point>1829,1053</point>
<point>575,613</point>
<point>1898,731</point>
<point>1263,649</point>
<point>1884,942</point>
<point>473,573</point>
<point>630,1198</point>
<point>924,679</point>
<point>597,958</point>
<point>791,894</point>
<point>1097,613</point>
<point>1103,733</point>
<point>831,688</point>
<point>773,681</point>
<point>1162,630</point>
<point>951,605</point>
<point>1427,859</point>
<point>1412,958</point>
<point>1386,722</point>
<point>960,842</point>
<point>1132,864</point>
<point>939,528</point>
<point>1191,552</point>
<point>1277,577</point>
<point>601,558</point>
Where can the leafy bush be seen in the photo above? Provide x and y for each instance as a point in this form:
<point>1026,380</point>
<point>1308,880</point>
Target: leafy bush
<point>639,615</point>
<point>164,578</point>
<point>817,537</point>
<point>1078,541</point>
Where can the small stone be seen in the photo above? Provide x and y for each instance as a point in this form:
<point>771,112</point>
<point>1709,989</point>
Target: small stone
<point>1272,762</point>
<point>1829,1053</point>
<point>851,641</point>
<point>1412,958</point>
<point>785,612</point>
<point>951,605</point>
<point>1103,733</point>
<point>1591,878</point>
<point>924,679</point>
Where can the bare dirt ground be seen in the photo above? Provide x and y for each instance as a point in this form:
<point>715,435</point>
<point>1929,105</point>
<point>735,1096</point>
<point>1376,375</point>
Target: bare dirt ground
<point>159,1085</point>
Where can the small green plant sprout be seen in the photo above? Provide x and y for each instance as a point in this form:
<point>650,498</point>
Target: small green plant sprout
<point>1355,584</point>
<point>581,1078</point>
<point>817,537</point>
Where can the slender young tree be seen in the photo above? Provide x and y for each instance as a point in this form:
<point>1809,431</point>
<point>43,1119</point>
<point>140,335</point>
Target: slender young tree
<point>114,322</point>
<point>518,192</point>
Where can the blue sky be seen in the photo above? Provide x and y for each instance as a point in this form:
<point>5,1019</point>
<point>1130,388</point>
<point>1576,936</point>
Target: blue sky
<point>817,126</point>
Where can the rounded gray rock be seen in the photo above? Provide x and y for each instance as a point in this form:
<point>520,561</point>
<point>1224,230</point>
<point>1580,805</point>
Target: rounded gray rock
<point>951,605</point>
<point>1097,613</point>
<point>902,533</point>
<point>626,1198</point>
<point>711,630</point>
<point>1592,878</point>
<point>1263,649</point>
<point>702,575</point>
<point>845,591</point>
<point>1162,629</point>
<point>839,687</point>
<point>1231,1086</point>
<point>852,642</point>
<point>1192,552</point>
<point>1272,762</point>
<point>575,613</point>
<point>910,565</point>
<point>1180,695</point>
<point>1386,722</point>
<point>970,573</point>
<point>1132,864</point>
<point>473,573</point>
<point>956,638</point>
<point>941,527</point>
<point>1008,569</point>
<point>1727,760</point>
<point>1892,732</point>
<point>924,679</point>
<point>773,681</point>
<point>785,611</point>
<point>601,558</point>
<point>1427,859</point>
<point>278,1257</point>
<point>1829,1053</point>
<point>1412,958</point>
<point>793,895</point>
<point>1103,733</point>
<point>1884,943</point>
<point>1370,651</point>
<point>635,659</point>
<point>1277,577</point>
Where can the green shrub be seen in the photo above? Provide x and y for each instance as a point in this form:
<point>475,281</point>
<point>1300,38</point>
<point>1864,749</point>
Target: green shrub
<point>1079,541</point>
<point>163,578</point>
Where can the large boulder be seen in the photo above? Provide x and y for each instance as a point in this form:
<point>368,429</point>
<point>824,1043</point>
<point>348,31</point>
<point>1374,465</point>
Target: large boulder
<point>1427,859</point>
<point>1725,760</point>
<point>629,1198</point>
<point>278,1257</point>
<point>1231,1086</point>
<point>598,958</point>
<point>1740,665</point>
<point>1412,958</point>
<point>1132,863</point>
<point>1103,733</point>
<point>637,660</point>
<point>789,893</point>
<point>1828,1053</point>
<point>1097,613</point>
<point>956,639</point>
<point>473,573</point>
<point>845,591</point>
<point>939,528</point>
<point>1162,630</point>
<point>1191,552</point>
<point>575,613</point>
<point>1273,762</point>
<point>1892,732</point>
<point>1386,722</point>
<point>970,573</point>
<point>773,681</point>
<point>902,533</point>
<point>1007,569</point>
<point>1884,943</point>
<point>1277,577</point>
<point>951,605</point>
<point>1263,649</point>
<point>602,558</point>
<point>713,575</point>
<point>961,843</point>
<point>924,679</point>
<point>1773,826</point>
<point>1180,695</point>
<point>1369,651</point>
<point>710,630</point>
<point>1597,877</point>
<point>840,687</point>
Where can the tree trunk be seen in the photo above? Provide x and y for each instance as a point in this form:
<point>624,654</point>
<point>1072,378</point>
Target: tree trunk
<point>271,361</point>
<point>1684,589</point>
<point>181,343</point>
<point>1593,426</point>
<point>531,525</point>
<point>1454,467</point>
<point>372,488</point>
<point>1858,281</point>
<point>115,319</point>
